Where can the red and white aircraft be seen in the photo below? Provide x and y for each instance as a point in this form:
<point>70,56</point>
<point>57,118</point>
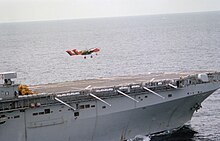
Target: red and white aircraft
<point>83,52</point>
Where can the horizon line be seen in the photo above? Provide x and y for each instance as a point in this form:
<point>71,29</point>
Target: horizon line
<point>103,17</point>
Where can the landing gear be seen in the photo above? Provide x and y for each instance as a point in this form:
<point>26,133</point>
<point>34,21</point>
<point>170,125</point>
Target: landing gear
<point>90,56</point>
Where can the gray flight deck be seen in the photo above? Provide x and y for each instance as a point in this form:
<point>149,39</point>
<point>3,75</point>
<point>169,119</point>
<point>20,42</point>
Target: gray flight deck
<point>107,82</point>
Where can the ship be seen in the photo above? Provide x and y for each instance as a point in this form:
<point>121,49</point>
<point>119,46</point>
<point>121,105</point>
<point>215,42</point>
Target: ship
<point>102,109</point>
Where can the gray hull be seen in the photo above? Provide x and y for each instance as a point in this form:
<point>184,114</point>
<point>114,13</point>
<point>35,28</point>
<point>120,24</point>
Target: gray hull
<point>112,117</point>
<point>107,126</point>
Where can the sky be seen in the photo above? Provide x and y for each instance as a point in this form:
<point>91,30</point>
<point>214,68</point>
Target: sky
<point>37,10</point>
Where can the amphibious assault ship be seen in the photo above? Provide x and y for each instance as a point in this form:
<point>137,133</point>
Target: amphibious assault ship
<point>103,109</point>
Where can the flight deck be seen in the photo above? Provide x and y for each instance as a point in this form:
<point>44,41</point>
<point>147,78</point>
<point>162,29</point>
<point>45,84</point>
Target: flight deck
<point>79,85</point>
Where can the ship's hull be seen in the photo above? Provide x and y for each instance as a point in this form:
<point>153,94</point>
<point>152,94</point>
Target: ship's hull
<point>102,123</point>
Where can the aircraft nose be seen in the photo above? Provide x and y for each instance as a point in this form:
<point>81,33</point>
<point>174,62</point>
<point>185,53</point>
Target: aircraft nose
<point>97,49</point>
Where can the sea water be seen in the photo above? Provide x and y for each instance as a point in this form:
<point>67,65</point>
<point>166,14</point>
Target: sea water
<point>129,45</point>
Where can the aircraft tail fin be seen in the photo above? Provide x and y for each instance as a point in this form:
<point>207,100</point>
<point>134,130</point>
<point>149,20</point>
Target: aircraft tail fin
<point>70,52</point>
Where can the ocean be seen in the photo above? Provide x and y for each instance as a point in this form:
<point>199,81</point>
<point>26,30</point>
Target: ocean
<point>129,45</point>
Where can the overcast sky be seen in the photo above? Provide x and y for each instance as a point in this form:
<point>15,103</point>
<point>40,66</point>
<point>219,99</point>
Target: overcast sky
<point>34,10</point>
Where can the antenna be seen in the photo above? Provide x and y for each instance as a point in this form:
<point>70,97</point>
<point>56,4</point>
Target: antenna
<point>171,85</point>
<point>57,99</point>
<point>127,96</point>
<point>153,92</point>
<point>96,97</point>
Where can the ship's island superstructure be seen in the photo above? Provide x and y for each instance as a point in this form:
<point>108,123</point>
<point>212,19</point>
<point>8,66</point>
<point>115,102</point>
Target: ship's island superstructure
<point>104,109</point>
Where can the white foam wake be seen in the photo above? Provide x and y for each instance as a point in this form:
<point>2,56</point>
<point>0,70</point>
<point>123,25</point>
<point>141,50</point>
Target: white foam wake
<point>141,138</point>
